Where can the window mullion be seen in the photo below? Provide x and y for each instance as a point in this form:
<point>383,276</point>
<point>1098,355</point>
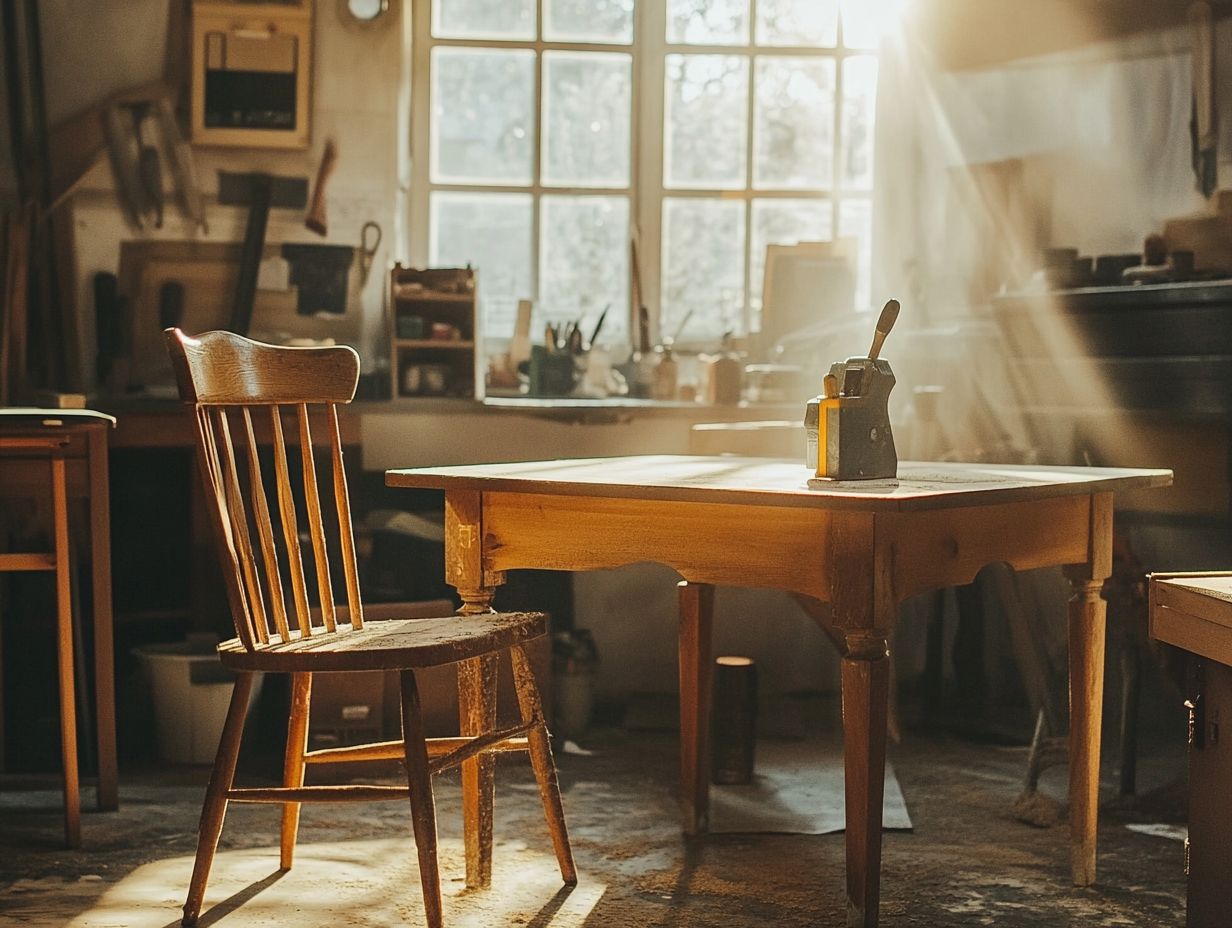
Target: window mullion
<point>750,123</point>
<point>421,130</point>
<point>648,210</point>
<point>836,183</point>
<point>536,244</point>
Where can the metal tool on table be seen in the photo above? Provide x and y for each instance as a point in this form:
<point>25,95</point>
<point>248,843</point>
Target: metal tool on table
<point>367,249</point>
<point>847,428</point>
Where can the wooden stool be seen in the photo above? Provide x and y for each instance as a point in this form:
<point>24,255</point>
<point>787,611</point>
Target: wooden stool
<point>54,436</point>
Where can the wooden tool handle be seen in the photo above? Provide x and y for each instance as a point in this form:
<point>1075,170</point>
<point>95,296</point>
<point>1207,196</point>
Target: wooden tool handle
<point>885,322</point>
<point>315,220</point>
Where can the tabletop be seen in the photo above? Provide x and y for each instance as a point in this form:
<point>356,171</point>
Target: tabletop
<point>773,482</point>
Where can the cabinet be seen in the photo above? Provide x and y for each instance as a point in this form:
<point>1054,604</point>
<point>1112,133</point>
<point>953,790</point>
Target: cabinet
<point>433,337</point>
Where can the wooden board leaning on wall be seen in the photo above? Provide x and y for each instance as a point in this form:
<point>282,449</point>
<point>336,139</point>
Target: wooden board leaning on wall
<point>207,271</point>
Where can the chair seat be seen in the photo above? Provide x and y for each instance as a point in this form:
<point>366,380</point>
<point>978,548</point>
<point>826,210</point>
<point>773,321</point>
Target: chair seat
<point>390,644</point>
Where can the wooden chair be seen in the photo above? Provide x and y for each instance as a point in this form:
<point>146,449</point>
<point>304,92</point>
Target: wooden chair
<point>231,381</point>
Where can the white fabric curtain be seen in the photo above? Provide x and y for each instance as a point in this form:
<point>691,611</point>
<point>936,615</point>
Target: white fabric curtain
<point>1089,149</point>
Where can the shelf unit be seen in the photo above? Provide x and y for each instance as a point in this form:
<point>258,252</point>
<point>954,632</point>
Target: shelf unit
<point>421,364</point>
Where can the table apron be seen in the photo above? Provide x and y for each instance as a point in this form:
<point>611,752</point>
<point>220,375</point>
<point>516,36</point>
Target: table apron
<point>948,547</point>
<point>784,548</point>
<point>721,543</point>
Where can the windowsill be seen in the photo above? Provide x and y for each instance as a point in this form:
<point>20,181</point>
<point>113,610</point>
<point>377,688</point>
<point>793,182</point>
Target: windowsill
<point>580,409</point>
<point>628,407</point>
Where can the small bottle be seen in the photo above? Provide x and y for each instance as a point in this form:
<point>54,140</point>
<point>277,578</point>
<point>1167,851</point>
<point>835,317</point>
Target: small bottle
<point>665,375</point>
<point>723,386</point>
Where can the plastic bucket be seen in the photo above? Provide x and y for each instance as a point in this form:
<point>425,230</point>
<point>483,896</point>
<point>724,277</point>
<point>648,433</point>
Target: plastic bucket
<point>191,691</point>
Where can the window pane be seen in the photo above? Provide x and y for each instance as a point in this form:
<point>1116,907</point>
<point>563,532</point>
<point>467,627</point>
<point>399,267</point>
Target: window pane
<point>492,233</point>
<point>708,22</point>
<point>586,101</point>
<point>584,263</point>
<point>588,21</point>
<point>703,267</point>
<point>797,22</point>
<point>863,22</point>
<point>783,222</point>
<point>483,19</point>
<point>859,110</point>
<point>705,121</point>
<point>855,218</point>
<point>794,131</point>
<point>483,118</point>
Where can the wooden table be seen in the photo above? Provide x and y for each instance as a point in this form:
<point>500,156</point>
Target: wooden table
<point>861,547</point>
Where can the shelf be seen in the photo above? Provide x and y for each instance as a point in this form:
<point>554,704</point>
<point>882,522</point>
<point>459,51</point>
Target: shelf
<point>429,296</point>
<point>450,343</point>
<point>444,301</point>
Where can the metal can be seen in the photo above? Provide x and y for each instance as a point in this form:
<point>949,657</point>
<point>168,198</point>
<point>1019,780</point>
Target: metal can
<point>733,720</point>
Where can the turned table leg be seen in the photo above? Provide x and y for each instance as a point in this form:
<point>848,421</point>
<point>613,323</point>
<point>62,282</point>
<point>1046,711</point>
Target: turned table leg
<point>696,665</point>
<point>477,715</point>
<point>866,681</point>
<point>1087,625</point>
<point>464,570</point>
<point>1086,701</point>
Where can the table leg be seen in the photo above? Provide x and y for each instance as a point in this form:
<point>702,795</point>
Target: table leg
<point>464,570</point>
<point>1086,693</point>
<point>866,682</point>
<point>1087,625</point>
<point>477,715</point>
<point>696,665</point>
<point>64,650</point>
<point>104,661</point>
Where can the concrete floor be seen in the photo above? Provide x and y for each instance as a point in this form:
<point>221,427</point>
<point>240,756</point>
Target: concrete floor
<point>967,862</point>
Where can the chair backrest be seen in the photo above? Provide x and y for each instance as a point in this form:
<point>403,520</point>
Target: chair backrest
<point>238,386</point>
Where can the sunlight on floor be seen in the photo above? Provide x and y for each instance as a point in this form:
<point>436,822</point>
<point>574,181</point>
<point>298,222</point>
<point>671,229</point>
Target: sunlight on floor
<point>359,883</point>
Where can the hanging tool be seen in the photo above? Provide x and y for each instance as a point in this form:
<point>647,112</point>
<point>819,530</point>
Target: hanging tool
<point>259,192</point>
<point>367,252</point>
<point>124,165</point>
<point>316,219</point>
<point>149,164</point>
<point>180,160</point>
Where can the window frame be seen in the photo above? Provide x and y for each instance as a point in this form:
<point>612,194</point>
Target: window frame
<point>646,191</point>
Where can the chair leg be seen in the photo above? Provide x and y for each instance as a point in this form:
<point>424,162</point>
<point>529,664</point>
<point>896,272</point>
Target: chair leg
<point>542,763</point>
<point>293,761</point>
<point>423,809</point>
<point>215,807</point>
<point>64,646</point>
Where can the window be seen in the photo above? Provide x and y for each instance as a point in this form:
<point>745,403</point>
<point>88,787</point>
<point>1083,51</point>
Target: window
<point>548,133</point>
